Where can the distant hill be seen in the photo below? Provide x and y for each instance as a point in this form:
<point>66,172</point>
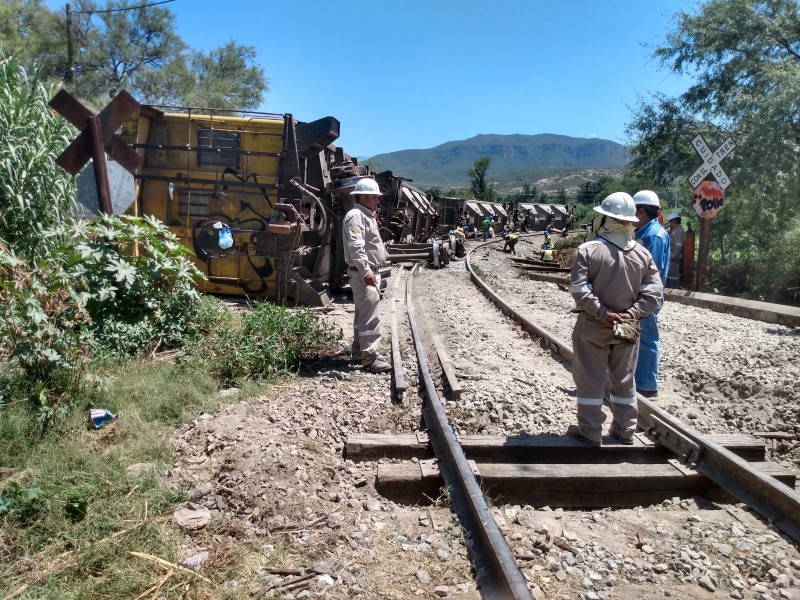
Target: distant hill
<point>516,160</point>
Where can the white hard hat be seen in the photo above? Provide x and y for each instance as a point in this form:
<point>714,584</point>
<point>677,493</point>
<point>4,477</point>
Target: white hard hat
<point>620,206</point>
<point>366,186</point>
<point>673,215</point>
<point>647,198</point>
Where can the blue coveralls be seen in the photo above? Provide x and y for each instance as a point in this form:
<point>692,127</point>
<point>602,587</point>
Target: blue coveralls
<point>655,238</point>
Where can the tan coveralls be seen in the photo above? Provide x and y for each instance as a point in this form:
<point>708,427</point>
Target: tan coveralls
<point>606,279</point>
<point>677,239</point>
<point>364,252</point>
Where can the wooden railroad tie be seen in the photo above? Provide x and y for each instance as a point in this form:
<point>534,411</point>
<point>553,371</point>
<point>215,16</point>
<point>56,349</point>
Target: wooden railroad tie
<point>551,470</point>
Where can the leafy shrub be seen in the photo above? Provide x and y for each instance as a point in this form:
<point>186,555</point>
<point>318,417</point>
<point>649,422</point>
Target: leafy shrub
<point>123,288</point>
<point>137,285</point>
<point>42,333</point>
<point>23,503</point>
<point>266,342</point>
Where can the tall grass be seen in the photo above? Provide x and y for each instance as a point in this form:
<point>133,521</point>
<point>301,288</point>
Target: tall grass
<point>70,465</point>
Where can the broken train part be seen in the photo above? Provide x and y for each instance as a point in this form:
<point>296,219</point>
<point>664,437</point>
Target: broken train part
<point>259,198</point>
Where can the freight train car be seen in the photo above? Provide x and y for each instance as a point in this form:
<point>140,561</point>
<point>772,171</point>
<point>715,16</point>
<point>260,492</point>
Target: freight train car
<point>255,196</point>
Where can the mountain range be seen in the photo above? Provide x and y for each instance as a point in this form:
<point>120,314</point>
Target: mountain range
<point>546,160</point>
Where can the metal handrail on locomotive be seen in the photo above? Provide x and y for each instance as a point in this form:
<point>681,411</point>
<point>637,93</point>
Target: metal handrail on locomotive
<point>256,197</point>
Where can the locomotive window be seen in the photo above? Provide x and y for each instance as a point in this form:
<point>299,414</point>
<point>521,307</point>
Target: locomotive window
<point>194,204</point>
<point>217,147</point>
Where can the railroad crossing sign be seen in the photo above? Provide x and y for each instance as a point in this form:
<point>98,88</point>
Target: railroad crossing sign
<point>710,180</point>
<point>709,183</point>
<point>111,118</point>
<point>711,161</point>
<point>96,138</point>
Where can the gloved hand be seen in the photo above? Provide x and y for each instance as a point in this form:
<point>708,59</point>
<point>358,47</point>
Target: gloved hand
<point>627,331</point>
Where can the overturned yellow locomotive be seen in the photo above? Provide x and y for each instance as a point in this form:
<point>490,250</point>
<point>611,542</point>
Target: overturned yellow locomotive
<point>255,196</point>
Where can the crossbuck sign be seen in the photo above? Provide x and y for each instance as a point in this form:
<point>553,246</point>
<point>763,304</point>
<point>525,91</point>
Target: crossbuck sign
<point>711,162</point>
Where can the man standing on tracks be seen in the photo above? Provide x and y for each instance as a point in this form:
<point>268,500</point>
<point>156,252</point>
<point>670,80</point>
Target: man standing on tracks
<point>652,236</point>
<point>614,283</point>
<point>677,239</point>
<point>364,253</point>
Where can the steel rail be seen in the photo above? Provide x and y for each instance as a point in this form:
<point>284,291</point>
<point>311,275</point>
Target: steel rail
<point>495,566</point>
<point>774,501</point>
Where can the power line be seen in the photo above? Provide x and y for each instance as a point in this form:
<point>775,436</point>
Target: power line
<point>111,10</point>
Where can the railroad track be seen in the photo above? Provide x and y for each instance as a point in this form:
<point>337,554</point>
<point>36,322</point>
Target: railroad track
<point>716,467</point>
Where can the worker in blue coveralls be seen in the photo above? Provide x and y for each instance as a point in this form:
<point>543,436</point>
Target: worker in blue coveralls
<point>654,237</point>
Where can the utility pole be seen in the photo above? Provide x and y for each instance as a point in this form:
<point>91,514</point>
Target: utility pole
<point>70,74</point>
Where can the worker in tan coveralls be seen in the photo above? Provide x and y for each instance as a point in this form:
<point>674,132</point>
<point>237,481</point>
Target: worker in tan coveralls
<point>364,253</point>
<point>614,283</point>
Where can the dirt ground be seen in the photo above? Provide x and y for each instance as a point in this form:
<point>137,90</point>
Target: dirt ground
<point>272,474</point>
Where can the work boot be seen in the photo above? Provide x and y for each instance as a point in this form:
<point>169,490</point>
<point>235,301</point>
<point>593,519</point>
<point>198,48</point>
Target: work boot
<point>647,393</point>
<point>574,432</point>
<point>620,437</point>
<point>376,365</point>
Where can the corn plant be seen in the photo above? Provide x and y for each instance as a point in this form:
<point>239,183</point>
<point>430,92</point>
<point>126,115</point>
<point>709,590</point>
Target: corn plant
<point>36,195</point>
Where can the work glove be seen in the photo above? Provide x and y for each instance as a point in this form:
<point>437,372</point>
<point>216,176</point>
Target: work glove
<point>627,331</point>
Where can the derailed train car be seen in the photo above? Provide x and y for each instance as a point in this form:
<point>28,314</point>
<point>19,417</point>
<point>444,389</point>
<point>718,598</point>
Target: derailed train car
<point>255,196</point>
<point>409,215</point>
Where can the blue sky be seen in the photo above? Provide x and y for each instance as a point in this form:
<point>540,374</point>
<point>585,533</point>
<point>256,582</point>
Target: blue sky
<point>419,73</point>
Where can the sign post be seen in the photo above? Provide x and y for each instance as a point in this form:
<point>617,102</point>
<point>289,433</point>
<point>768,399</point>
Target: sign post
<point>709,183</point>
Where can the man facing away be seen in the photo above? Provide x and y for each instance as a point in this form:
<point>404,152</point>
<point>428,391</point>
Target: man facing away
<point>364,253</point>
<point>614,283</point>
<point>652,236</point>
<point>677,239</point>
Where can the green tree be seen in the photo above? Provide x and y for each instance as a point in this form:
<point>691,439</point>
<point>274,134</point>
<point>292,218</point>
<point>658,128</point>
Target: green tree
<point>117,48</point>
<point>744,58</point>
<point>589,192</point>
<point>479,184</point>
<point>459,193</point>
<point>33,35</point>
<point>434,191</point>
<point>127,44</point>
<point>531,192</point>
<point>226,77</point>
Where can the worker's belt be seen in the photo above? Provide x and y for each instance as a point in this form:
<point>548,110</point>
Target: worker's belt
<point>587,316</point>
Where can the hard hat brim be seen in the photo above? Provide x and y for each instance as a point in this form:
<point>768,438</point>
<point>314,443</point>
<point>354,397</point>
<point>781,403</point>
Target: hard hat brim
<point>344,190</point>
<point>613,216</point>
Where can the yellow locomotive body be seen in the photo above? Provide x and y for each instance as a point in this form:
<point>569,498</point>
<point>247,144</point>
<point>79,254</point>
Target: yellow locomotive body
<point>254,177</point>
<point>266,186</point>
